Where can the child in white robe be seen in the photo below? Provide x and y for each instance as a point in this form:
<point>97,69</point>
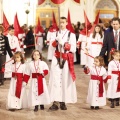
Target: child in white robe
<point>113,91</point>
<point>38,93</point>
<point>96,91</point>
<point>17,98</point>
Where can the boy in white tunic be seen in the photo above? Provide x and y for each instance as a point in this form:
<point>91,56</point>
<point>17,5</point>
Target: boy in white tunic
<point>38,93</point>
<point>113,91</point>
<point>17,96</point>
<point>14,45</point>
<point>62,87</point>
<point>96,91</point>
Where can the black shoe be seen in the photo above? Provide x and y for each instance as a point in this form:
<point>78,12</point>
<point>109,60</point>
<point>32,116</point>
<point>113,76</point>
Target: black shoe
<point>42,107</point>
<point>63,106</point>
<point>36,108</point>
<point>117,101</point>
<point>12,110</point>
<point>54,107</point>
<point>97,107</point>
<point>92,107</point>
<point>112,103</point>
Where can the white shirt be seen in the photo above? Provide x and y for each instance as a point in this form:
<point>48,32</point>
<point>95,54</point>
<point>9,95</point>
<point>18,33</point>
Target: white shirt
<point>118,33</point>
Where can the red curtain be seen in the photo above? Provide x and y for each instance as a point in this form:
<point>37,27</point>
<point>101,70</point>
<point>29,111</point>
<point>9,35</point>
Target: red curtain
<point>40,2</point>
<point>57,1</point>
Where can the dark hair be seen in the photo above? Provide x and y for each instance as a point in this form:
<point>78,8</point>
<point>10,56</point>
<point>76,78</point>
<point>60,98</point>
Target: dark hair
<point>100,32</point>
<point>1,28</point>
<point>21,56</point>
<point>34,52</point>
<point>101,60</point>
<point>116,19</point>
<point>63,18</point>
<point>113,53</point>
<point>11,28</point>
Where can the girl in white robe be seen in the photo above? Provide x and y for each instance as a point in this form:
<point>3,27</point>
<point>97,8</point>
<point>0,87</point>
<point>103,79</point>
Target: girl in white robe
<point>96,91</point>
<point>17,97</point>
<point>38,93</point>
<point>95,43</point>
<point>113,91</point>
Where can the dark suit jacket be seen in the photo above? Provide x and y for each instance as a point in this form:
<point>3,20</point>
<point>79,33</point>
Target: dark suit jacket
<point>4,46</point>
<point>108,43</point>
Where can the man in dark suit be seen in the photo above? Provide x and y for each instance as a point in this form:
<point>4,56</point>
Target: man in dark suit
<point>111,39</point>
<point>4,48</point>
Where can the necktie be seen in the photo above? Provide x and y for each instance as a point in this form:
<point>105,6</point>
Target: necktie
<point>116,39</point>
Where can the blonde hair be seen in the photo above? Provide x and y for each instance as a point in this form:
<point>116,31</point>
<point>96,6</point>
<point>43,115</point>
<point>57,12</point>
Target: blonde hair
<point>34,52</point>
<point>18,53</point>
<point>101,60</point>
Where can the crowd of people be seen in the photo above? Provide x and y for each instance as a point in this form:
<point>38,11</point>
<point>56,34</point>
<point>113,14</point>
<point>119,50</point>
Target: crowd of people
<point>98,53</point>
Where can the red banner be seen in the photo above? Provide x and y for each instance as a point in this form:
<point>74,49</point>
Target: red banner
<point>40,2</point>
<point>77,1</point>
<point>57,1</point>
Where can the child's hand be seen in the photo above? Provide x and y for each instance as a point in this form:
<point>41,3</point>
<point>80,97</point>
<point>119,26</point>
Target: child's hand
<point>98,82</point>
<point>108,81</point>
<point>23,84</point>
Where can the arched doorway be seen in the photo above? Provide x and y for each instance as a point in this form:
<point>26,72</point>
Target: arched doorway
<point>44,11</point>
<point>108,9</point>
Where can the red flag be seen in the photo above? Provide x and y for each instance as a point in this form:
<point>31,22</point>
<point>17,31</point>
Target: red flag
<point>57,1</point>
<point>17,27</point>
<point>5,24</point>
<point>39,27</point>
<point>95,23</point>
<point>97,18</point>
<point>87,22</point>
<point>54,26</point>
<point>40,2</point>
<point>69,25</point>
<point>77,1</point>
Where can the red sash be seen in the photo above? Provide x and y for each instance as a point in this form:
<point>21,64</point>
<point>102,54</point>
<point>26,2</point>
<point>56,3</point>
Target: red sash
<point>97,43</point>
<point>118,73</point>
<point>14,50</point>
<point>70,58</point>
<point>100,78</point>
<point>19,77</point>
<point>39,78</point>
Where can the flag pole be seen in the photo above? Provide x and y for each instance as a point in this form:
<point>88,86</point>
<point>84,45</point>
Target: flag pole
<point>60,32</point>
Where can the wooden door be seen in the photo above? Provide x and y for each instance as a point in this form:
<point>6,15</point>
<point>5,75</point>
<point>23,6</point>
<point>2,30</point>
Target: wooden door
<point>107,15</point>
<point>45,15</point>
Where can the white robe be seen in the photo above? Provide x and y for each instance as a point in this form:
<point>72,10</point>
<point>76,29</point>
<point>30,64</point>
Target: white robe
<point>93,90</point>
<point>22,37</point>
<point>94,49</point>
<point>61,85</point>
<point>84,57</point>
<point>13,42</point>
<point>13,101</point>
<point>39,42</point>
<point>51,37</point>
<point>113,82</point>
<point>33,97</point>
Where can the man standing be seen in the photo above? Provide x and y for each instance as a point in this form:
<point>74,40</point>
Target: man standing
<point>62,86</point>
<point>4,48</point>
<point>14,45</point>
<point>111,39</point>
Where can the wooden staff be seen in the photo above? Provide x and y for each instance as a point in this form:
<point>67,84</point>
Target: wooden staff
<point>60,32</point>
